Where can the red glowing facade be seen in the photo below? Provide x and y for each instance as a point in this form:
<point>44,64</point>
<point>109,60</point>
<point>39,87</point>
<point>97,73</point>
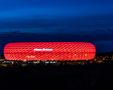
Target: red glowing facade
<point>49,51</point>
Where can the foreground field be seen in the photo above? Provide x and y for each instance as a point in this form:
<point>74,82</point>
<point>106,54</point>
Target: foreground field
<point>60,77</point>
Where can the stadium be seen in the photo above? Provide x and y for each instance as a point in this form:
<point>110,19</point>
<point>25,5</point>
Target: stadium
<point>49,51</point>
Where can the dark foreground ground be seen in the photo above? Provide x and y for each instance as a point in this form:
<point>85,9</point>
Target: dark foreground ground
<point>58,77</point>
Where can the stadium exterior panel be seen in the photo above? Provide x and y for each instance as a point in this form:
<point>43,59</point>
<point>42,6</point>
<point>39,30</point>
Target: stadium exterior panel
<point>49,51</point>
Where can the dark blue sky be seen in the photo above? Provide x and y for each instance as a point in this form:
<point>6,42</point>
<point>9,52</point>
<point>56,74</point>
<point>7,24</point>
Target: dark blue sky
<point>92,18</point>
<point>53,8</point>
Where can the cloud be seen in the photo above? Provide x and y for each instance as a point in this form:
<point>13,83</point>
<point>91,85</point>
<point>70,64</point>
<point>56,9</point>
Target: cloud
<point>104,46</point>
<point>96,29</point>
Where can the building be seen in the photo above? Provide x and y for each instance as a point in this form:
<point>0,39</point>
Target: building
<point>27,51</point>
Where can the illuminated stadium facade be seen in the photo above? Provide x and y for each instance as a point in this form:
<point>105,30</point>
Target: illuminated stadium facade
<point>52,51</point>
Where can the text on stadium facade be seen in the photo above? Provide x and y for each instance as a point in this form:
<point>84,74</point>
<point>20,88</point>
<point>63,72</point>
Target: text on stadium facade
<point>43,49</point>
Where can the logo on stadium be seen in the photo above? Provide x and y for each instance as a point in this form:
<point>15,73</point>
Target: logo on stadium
<point>43,49</point>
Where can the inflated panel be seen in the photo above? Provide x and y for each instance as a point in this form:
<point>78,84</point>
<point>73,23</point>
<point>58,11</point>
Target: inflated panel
<point>49,51</point>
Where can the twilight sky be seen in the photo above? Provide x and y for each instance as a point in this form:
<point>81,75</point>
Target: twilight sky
<point>92,18</point>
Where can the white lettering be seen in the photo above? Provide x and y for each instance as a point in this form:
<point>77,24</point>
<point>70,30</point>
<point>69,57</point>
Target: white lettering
<point>43,49</point>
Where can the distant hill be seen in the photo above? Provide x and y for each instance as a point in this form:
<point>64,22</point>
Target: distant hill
<point>105,53</point>
<point>7,37</point>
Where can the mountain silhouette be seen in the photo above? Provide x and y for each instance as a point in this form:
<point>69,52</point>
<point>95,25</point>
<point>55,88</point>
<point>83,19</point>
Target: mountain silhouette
<point>8,37</point>
<point>16,36</point>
